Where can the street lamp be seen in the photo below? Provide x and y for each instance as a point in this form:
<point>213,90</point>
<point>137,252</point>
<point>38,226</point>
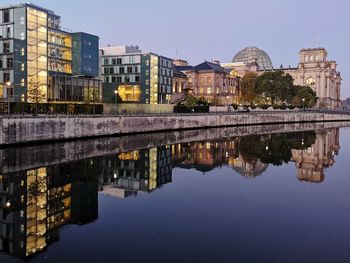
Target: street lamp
<point>303,104</point>
<point>8,83</point>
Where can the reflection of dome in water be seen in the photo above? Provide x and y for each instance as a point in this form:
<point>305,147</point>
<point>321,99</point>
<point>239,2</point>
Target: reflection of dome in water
<point>250,169</point>
<point>253,53</point>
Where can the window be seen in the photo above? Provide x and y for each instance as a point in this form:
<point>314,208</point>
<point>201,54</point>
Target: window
<point>105,70</point>
<point>0,62</point>
<point>307,59</point>
<point>6,47</point>
<point>310,81</point>
<point>6,77</point>
<point>137,78</point>
<point>208,79</point>
<point>111,70</point>
<point>121,70</point>
<point>312,59</point>
<point>136,69</point>
<point>189,80</point>
<point>8,32</point>
<point>119,79</point>
<point>209,90</point>
<point>201,80</point>
<point>105,62</point>
<point>114,79</point>
<point>129,70</point>
<point>119,61</point>
<point>114,61</point>
<point>6,16</point>
<point>9,62</point>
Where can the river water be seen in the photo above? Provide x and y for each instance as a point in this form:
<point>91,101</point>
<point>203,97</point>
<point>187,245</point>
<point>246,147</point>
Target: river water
<point>251,194</point>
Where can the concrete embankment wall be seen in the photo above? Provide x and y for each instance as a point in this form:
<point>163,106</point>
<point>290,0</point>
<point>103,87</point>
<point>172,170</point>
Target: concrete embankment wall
<point>28,129</point>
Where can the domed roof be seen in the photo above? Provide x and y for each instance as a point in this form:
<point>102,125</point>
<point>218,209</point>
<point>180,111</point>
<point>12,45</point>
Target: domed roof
<point>250,53</point>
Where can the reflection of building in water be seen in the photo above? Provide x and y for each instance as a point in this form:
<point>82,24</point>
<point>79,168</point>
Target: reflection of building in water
<point>310,162</point>
<point>204,156</point>
<point>140,170</point>
<point>248,169</point>
<point>35,203</point>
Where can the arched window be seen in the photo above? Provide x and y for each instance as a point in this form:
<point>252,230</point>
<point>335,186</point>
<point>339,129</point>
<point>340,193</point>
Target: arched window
<point>317,58</point>
<point>307,59</point>
<point>310,81</point>
<point>312,58</point>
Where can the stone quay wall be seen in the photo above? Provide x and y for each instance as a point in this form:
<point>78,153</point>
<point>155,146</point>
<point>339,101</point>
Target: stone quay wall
<point>16,130</point>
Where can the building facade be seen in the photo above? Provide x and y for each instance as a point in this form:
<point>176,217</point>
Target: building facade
<point>130,76</point>
<point>314,70</point>
<point>36,58</point>
<point>211,81</point>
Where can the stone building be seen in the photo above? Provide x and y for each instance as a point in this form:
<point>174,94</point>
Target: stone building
<point>209,80</point>
<point>314,70</point>
<point>311,162</point>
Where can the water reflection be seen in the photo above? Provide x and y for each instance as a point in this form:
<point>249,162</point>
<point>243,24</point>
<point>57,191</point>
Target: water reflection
<point>35,203</point>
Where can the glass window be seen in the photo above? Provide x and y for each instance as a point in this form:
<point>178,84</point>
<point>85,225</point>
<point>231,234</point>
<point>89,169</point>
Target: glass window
<point>9,62</point>
<point>6,16</point>
<point>208,79</point>
<point>6,47</point>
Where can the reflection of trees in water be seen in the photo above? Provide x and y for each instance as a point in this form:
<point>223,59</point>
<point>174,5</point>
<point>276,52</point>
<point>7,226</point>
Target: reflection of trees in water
<point>275,148</point>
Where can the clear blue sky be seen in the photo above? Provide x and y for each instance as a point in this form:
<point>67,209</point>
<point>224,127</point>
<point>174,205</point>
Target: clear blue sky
<point>208,29</point>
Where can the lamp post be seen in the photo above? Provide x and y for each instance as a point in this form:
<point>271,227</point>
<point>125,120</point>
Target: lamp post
<point>303,104</point>
<point>8,96</point>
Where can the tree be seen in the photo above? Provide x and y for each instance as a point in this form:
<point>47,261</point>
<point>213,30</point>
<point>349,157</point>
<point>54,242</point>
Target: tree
<point>306,93</point>
<point>247,87</point>
<point>275,85</point>
<point>191,101</point>
<point>36,93</point>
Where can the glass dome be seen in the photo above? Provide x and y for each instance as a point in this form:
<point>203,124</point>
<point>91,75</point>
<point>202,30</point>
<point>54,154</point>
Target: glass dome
<point>250,53</point>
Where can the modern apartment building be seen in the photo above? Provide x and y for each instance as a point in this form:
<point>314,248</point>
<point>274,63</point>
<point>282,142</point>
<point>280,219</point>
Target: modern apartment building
<point>39,58</point>
<point>131,76</point>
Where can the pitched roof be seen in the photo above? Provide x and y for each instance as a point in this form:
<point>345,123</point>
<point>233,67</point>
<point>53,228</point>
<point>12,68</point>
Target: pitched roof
<point>184,68</point>
<point>209,66</point>
<point>178,73</point>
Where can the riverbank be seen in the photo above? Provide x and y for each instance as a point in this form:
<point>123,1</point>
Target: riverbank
<point>19,130</point>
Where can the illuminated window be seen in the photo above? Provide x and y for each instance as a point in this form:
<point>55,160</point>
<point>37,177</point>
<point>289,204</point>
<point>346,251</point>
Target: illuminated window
<point>129,92</point>
<point>310,81</point>
<point>201,80</point>
<point>209,90</point>
<point>208,79</point>
<point>189,80</point>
